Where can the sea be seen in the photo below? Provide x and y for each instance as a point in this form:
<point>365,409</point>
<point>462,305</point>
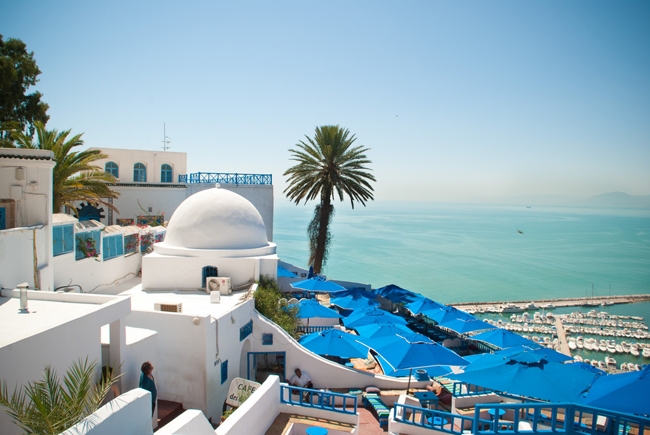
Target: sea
<point>469,253</point>
<point>465,253</point>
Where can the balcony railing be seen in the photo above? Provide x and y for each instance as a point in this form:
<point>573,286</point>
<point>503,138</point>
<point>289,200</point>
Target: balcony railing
<point>225,178</point>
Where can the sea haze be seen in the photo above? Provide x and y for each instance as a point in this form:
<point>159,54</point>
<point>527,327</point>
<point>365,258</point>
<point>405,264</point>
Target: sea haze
<point>458,253</point>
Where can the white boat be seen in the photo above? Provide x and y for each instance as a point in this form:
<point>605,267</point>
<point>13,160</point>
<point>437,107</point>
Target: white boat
<point>548,306</point>
<point>619,348</point>
<point>610,362</point>
<point>578,358</point>
<point>634,349</point>
<point>631,367</point>
<point>602,347</point>
<point>572,343</point>
<point>624,367</point>
<point>510,308</point>
<point>530,306</point>
<point>602,365</point>
<point>646,352</point>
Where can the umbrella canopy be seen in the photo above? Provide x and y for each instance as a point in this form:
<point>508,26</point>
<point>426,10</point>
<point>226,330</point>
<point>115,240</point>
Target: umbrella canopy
<point>352,301</point>
<point>623,392</point>
<point>367,316</point>
<point>463,326</point>
<point>432,372</point>
<point>382,329</point>
<point>405,354</point>
<point>534,353</point>
<point>423,304</point>
<point>397,294</point>
<point>334,342</point>
<point>517,374</point>
<point>446,314</point>
<point>502,338</point>
<point>309,308</point>
<point>284,272</point>
<point>354,292</point>
<point>317,285</point>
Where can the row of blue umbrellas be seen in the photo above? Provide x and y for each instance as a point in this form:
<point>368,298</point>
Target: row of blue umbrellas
<point>522,367</point>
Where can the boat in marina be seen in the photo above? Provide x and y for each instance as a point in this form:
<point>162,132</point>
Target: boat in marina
<point>646,352</point>
<point>511,308</point>
<point>610,362</point>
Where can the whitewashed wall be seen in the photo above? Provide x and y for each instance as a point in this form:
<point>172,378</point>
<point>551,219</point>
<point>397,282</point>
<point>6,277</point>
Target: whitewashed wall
<point>128,414</point>
<point>161,199</point>
<point>175,272</point>
<point>90,273</point>
<point>32,208</point>
<point>256,414</point>
<point>152,160</point>
<point>191,422</point>
<point>59,346</point>
<point>189,361</point>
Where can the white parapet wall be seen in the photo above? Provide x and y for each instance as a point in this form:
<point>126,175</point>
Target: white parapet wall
<point>128,414</point>
<point>256,414</point>
<point>191,422</point>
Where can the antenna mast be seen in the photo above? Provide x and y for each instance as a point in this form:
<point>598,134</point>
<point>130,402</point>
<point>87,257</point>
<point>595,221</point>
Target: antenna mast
<point>165,140</point>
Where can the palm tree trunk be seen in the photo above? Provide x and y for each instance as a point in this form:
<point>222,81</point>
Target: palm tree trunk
<point>323,233</point>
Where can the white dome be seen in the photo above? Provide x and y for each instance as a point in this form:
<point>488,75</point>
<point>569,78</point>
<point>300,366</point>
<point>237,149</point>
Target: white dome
<point>216,219</point>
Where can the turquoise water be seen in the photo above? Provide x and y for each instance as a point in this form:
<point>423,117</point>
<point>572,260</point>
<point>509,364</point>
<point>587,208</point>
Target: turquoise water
<point>462,253</point>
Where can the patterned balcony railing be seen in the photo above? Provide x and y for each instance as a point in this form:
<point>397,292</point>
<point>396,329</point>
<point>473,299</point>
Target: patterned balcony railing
<point>225,178</point>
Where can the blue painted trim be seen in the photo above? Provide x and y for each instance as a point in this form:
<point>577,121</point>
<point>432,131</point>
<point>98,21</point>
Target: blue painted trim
<point>226,178</point>
<point>284,363</point>
<point>246,330</point>
<point>318,399</point>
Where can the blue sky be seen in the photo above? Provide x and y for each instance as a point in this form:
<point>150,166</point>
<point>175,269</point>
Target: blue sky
<point>457,100</point>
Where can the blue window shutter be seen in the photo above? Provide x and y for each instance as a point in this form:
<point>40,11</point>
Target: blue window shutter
<point>81,238</point>
<point>57,236</point>
<point>119,245</point>
<point>68,238</point>
<point>106,251</point>
<point>224,372</point>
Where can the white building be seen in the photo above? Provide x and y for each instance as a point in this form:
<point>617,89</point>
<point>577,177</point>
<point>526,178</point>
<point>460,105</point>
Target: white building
<point>26,218</point>
<point>153,183</point>
<point>214,232</point>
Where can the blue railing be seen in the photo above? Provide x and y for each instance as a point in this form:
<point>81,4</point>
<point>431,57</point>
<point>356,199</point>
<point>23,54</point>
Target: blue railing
<point>319,399</point>
<point>462,389</point>
<point>309,329</point>
<point>225,178</point>
<point>441,421</point>
<point>525,418</point>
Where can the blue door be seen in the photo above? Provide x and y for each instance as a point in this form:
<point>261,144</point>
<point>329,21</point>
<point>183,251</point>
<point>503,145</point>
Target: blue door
<point>3,218</point>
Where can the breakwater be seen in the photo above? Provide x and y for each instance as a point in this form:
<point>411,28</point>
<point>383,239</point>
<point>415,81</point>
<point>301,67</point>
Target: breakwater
<point>559,302</point>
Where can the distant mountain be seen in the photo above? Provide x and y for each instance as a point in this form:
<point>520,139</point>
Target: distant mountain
<point>617,199</point>
<point>612,199</point>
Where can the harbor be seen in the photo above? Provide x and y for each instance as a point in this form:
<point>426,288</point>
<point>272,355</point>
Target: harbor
<point>528,304</point>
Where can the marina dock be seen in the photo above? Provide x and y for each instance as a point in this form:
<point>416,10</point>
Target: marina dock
<point>560,302</point>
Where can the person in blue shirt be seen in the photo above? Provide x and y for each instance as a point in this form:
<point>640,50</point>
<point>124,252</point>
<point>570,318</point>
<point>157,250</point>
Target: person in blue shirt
<point>148,383</point>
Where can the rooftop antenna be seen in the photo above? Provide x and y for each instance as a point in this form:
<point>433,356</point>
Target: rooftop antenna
<point>165,140</point>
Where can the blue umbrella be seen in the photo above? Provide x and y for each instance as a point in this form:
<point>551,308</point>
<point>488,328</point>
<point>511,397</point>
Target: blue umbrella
<point>502,338</point>
<point>623,392</point>
<point>334,342</point>
<point>401,353</point>
<point>397,294</point>
<point>317,285</point>
<point>284,272</point>
<point>411,355</point>
<point>382,329</point>
<point>423,304</point>
<point>446,314</point>
<point>352,301</point>
<point>534,353</point>
<point>309,308</point>
<point>353,292</point>
<point>371,315</point>
<point>432,372</point>
<point>519,375</point>
<point>465,325</point>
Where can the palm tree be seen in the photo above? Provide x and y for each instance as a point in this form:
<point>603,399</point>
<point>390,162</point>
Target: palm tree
<point>74,178</point>
<point>49,407</point>
<point>327,165</point>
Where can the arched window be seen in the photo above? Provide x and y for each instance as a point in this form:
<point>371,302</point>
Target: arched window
<point>112,168</point>
<point>166,174</point>
<point>139,173</point>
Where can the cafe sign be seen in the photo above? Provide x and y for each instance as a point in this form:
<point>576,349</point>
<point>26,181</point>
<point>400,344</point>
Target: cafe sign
<point>240,390</point>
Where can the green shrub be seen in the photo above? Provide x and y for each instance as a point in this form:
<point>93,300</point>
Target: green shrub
<point>267,302</point>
